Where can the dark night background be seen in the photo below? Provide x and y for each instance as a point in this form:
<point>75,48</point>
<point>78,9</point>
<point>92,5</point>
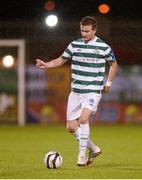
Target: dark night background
<point>121,28</point>
<point>30,9</point>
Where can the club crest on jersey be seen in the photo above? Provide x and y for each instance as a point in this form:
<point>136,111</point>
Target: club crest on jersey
<point>96,51</point>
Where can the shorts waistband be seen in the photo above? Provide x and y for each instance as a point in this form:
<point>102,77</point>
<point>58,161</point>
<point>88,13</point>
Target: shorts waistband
<point>98,91</point>
<point>86,91</point>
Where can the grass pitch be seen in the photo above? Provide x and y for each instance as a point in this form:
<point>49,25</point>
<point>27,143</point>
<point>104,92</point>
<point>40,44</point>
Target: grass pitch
<point>22,151</point>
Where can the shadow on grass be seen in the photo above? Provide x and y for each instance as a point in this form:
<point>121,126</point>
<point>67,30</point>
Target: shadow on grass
<point>107,166</point>
<point>119,166</point>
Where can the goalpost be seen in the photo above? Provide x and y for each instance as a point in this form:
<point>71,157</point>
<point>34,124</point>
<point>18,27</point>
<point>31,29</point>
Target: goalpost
<point>20,44</point>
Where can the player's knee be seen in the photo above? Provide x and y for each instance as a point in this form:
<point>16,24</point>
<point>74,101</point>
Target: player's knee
<point>71,127</point>
<point>83,120</point>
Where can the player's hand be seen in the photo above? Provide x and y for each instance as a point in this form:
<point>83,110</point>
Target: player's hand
<point>106,89</point>
<point>40,64</point>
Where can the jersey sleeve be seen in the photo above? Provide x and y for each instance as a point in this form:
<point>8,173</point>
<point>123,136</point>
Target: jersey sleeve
<point>67,54</point>
<point>109,55</point>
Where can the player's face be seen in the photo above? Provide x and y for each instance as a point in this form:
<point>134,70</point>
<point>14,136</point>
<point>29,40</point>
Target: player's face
<point>87,32</point>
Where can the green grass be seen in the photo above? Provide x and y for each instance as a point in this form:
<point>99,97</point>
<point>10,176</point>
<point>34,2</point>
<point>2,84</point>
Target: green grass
<point>22,151</point>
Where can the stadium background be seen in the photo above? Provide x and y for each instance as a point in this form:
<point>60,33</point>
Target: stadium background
<point>47,91</point>
<point>116,127</point>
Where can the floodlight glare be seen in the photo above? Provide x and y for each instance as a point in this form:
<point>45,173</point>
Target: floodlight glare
<point>8,61</point>
<point>51,20</point>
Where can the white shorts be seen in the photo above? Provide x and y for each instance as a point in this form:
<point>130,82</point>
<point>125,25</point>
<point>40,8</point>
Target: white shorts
<point>76,102</point>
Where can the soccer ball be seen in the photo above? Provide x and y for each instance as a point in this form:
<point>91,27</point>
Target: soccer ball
<point>53,160</point>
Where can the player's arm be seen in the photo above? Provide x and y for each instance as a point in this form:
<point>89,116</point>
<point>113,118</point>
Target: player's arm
<point>51,64</point>
<point>111,75</point>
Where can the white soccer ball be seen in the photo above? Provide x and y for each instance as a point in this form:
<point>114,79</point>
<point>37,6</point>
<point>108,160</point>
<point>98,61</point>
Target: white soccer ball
<point>53,160</point>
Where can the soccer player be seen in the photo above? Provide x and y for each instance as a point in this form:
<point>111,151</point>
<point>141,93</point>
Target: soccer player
<point>88,57</point>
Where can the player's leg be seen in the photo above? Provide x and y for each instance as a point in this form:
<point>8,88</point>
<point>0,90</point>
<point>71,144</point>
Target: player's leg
<point>91,103</point>
<point>94,150</point>
<point>83,135</point>
<point>74,128</point>
<point>73,113</point>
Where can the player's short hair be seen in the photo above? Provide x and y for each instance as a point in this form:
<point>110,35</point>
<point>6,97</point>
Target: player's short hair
<point>89,20</point>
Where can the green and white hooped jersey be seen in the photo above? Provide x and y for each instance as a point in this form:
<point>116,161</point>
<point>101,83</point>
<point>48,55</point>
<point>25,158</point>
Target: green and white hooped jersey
<point>88,64</point>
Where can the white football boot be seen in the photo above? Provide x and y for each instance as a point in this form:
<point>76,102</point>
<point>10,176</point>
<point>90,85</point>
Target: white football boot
<point>93,154</point>
<point>82,161</point>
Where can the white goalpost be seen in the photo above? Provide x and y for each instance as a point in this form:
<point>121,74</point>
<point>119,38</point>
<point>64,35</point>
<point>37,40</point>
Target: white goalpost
<point>20,44</point>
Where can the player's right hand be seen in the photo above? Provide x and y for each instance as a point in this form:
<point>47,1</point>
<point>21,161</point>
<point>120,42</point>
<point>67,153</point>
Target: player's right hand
<point>40,64</point>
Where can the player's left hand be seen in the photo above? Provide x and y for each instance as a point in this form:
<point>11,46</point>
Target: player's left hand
<point>106,89</point>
